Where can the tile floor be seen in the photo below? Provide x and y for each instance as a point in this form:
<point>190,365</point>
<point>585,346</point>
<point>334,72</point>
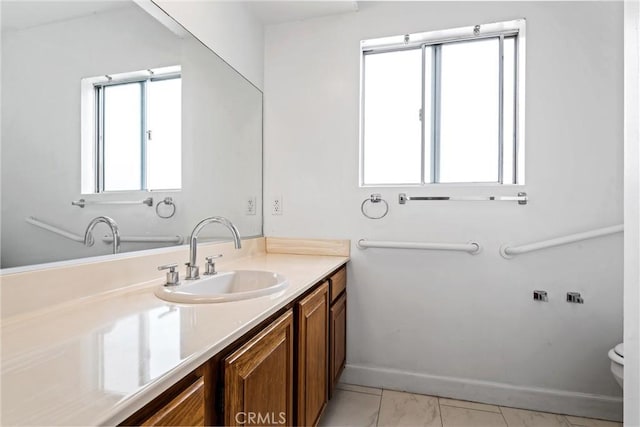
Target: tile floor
<point>353,406</point>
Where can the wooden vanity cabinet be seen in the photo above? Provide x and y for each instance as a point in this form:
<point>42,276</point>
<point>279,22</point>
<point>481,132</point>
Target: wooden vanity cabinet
<point>186,409</point>
<point>280,373</point>
<point>337,326</point>
<point>313,353</point>
<point>258,378</point>
<point>184,403</point>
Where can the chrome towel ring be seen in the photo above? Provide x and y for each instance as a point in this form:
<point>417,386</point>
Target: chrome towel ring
<point>169,202</point>
<point>374,199</point>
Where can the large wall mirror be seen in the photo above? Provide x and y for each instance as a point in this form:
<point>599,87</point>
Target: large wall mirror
<point>110,111</point>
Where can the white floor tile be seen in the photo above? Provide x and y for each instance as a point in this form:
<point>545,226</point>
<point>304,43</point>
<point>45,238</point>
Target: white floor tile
<point>591,422</point>
<point>360,389</point>
<point>469,405</point>
<point>524,418</point>
<point>407,409</point>
<point>462,417</point>
<point>348,408</point>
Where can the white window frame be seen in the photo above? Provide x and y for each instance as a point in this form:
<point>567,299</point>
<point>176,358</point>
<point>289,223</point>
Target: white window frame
<point>92,160</point>
<point>515,28</point>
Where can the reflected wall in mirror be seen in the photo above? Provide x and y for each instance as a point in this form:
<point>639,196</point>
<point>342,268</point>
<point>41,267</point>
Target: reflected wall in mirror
<point>48,48</point>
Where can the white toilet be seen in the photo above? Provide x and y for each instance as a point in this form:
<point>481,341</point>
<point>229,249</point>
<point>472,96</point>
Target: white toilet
<point>616,354</point>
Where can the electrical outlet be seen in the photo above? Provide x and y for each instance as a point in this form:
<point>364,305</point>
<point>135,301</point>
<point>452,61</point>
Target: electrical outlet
<point>250,208</point>
<point>276,205</point>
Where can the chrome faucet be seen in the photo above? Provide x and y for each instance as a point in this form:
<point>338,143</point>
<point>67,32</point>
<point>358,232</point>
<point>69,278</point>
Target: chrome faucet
<point>88,237</point>
<point>193,271</point>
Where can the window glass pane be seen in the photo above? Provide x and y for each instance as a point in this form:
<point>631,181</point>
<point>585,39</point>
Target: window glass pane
<point>392,127</point>
<point>164,154</point>
<point>469,112</point>
<point>509,139</point>
<point>122,127</point>
<point>428,109</point>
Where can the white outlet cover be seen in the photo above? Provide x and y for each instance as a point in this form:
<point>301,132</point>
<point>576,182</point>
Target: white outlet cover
<point>276,205</point>
<point>250,207</point>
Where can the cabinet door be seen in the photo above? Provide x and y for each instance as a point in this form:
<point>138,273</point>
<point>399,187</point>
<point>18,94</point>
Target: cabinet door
<point>338,338</point>
<point>338,283</point>
<point>258,378</point>
<point>187,409</point>
<point>313,349</point>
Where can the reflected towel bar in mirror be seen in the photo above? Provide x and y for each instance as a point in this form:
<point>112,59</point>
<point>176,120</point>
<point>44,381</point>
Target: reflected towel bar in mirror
<point>82,202</point>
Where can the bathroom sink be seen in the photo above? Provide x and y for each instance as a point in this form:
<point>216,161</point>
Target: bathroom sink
<point>224,287</point>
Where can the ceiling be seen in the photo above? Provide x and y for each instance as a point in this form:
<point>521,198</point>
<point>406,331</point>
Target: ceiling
<point>277,12</point>
<point>15,16</point>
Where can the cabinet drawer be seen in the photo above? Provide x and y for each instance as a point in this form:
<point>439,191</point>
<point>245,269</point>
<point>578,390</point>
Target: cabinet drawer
<point>187,409</point>
<point>338,283</point>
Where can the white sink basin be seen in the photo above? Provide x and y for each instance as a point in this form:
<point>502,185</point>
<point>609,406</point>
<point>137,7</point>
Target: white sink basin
<point>224,287</point>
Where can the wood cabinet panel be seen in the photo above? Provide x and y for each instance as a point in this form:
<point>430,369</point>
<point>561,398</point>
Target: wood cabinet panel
<point>253,380</point>
<point>338,328</point>
<point>258,378</point>
<point>338,283</point>
<point>187,409</point>
<point>313,347</point>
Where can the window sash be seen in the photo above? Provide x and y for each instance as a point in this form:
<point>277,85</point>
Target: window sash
<point>512,30</point>
<point>99,89</point>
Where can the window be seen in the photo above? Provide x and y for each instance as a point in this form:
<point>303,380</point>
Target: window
<point>444,107</point>
<point>135,135</point>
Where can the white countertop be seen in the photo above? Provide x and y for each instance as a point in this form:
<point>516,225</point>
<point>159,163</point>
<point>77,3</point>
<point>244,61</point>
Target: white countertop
<point>98,360</point>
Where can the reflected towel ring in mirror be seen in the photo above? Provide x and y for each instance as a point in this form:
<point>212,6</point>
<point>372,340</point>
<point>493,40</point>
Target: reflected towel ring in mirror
<point>374,199</point>
<point>166,201</point>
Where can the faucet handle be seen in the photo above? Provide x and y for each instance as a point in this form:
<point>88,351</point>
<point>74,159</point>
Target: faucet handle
<point>210,267</point>
<point>173,277</point>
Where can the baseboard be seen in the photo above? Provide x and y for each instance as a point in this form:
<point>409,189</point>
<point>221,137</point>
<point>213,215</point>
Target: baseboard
<point>533,398</point>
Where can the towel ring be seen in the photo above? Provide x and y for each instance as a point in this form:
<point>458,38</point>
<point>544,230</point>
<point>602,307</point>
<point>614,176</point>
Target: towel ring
<point>166,201</point>
<point>375,198</point>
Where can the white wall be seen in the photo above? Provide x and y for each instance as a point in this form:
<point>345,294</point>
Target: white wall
<point>453,324</point>
<point>228,28</point>
<point>632,214</point>
<point>41,73</point>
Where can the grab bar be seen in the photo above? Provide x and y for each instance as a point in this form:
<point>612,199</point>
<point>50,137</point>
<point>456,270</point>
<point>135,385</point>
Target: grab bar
<point>107,239</point>
<point>146,239</point>
<point>509,251</point>
<point>471,247</point>
<point>64,233</point>
<point>82,202</point>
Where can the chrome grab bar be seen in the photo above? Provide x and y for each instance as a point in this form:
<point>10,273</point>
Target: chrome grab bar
<point>509,251</point>
<point>521,198</point>
<point>471,247</point>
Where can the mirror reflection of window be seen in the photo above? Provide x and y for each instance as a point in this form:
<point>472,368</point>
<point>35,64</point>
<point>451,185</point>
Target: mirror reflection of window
<point>164,134</point>
<point>138,131</point>
<point>121,118</point>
